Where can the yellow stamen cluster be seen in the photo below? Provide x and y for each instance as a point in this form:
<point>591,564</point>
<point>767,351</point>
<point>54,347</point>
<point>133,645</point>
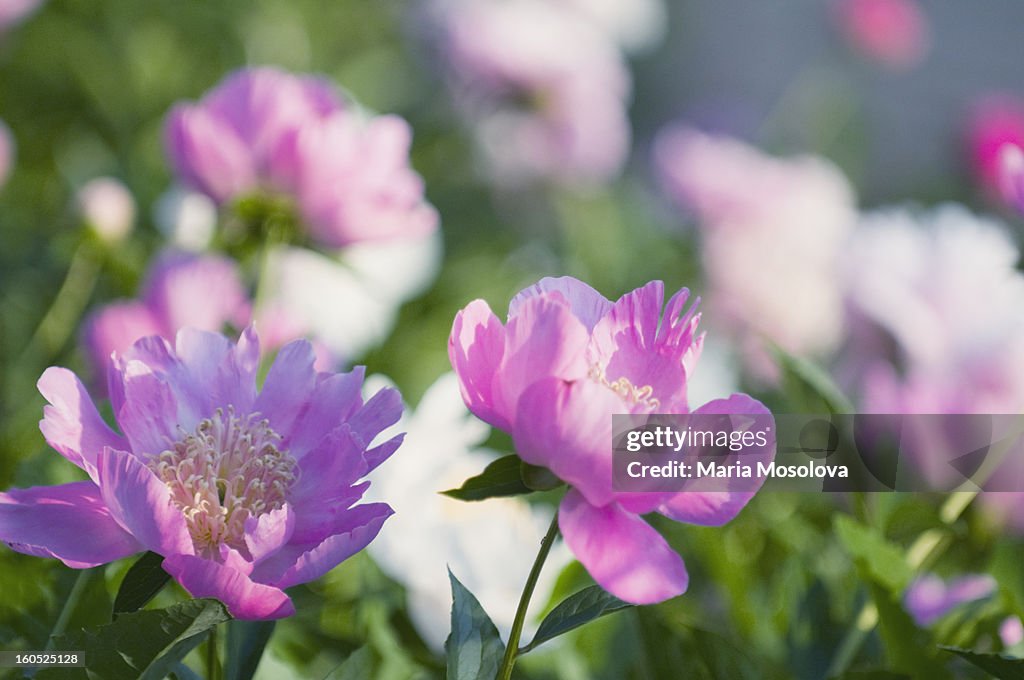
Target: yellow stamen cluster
<point>625,389</point>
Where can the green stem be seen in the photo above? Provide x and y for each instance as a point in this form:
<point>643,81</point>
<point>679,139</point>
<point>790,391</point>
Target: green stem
<point>69,605</point>
<point>212,663</point>
<point>512,648</point>
<point>922,551</point>
<point>61,318</point>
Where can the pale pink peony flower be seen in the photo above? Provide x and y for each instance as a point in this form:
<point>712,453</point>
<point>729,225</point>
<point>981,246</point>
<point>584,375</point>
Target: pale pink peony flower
<point>917,278</point>
<point>244,493</point>
<point>262,130</point>
<point>7,149</point>
<point>772,232</point>
<point>553,376</point>
<point>995,121</point>
<point>935,303</point>
<point>929,598</point>
<point>894,33</point>
<point>636,25</point>
<point>544,89</point>
<point>107,207</point>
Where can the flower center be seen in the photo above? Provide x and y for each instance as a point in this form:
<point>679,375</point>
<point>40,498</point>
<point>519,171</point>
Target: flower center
<point>228,470</point>
<point>625,389</point>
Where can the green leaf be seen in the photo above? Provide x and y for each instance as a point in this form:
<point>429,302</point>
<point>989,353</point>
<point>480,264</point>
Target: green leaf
<point>474,648</point>
<point>871,675</point>
<point>357,666</point>
<point>576,610</point>
<point>907,647</point>
<point>246,641</point>
<point>997,665</point>
<point>809,386</point>
<point>500,478</point>
<point>144,579</point>
<point>147,644</point>
<point>883,560</point>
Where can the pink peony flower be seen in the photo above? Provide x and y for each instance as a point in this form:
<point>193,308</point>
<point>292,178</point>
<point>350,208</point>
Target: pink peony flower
<point>994,122</point>
<point>772,232</point>
<point>264,130</point>
<point>544,89</point>
<point>1011,631</point>
<point>929,598</point>
<point>553,376</point>
<point>6,153</point>
<point>185,290</point>
<point>244,493</point>
<point>891,32</point>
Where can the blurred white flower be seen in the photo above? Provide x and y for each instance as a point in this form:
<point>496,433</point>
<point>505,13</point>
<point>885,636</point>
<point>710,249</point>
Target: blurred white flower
<point>772,231</point>
<point>107,207</point>
<point>544,89</point>
<point>186,218</point>
<point>636,25</point>
<point>943,288</point>
<point>348,301</point>
<point>489,546</point>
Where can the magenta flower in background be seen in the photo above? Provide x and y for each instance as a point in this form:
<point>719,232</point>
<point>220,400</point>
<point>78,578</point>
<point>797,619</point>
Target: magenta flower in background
<point>180,290</point>
<point>262,130</point>
<point>1011,631</point>
<point>772,232</point>
<point>553,376</point>
<point>6,153</point>
<point>184,290</point>
<point>929,598</point>
<point>893,33</point>
<point>544,89</point>
<point>244,493</point>
<point>994,121</point>
<point>1011,175</point>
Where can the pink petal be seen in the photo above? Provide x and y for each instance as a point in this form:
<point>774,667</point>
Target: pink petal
<point>714,508</point>
<point>208,154</point>
<point>244,598</point>
<point>335,399</point>
<point>68,522</point>
<point>475,349</point>
<point>151,412</point>
<point>303,563</point>
<point>268,533</point>
<point>204,292</point>
<point>327,484</point>
<point>71,424</point>
<point>623,553</point>
<point>115,328</point>
<point>544,339</point>
<point>587,304</point>
<point>142,504</point>
<point>567,428</point>
<point>223,372</point>
<point>289,384</point>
